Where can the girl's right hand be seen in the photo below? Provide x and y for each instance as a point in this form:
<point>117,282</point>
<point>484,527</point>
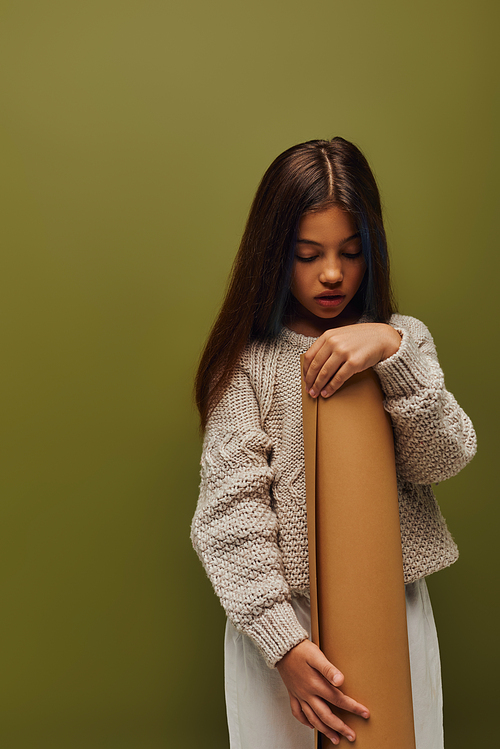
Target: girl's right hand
<point>312,682</point>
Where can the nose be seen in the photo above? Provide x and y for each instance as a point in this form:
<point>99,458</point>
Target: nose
<point>331,272</point>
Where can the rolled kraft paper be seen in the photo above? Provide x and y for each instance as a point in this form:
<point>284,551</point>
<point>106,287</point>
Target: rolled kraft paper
<point>358,610</point>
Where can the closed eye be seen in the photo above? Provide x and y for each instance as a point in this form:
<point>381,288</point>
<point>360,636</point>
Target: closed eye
<point>305,259</point>
<point>352,255</point>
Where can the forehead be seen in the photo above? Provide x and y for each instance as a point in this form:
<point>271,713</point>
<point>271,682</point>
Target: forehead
<point>331,224</point>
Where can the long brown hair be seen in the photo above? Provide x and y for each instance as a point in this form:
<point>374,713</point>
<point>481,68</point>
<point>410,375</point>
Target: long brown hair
<point>306,177</point>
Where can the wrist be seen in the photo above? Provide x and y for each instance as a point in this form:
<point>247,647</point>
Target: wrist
<point>295,651</point>
<point>392,342</point>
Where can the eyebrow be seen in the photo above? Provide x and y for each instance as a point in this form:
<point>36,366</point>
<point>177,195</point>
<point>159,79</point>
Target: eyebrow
<point>318,244</point>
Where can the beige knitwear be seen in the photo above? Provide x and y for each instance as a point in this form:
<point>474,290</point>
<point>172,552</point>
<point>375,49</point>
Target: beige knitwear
<point>250,526</point>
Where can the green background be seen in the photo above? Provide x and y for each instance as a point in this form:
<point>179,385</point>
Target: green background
<point>133,136</point>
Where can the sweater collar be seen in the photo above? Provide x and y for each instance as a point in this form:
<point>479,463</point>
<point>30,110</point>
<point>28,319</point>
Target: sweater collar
<point>303,342</point>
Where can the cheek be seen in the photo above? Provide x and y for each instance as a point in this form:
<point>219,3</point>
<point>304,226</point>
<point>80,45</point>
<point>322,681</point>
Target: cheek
<point>296,281</point>
<point>359,274</point>
<point>302,280</point>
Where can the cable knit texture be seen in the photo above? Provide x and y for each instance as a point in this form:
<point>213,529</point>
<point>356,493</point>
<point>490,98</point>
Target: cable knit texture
<point>250,525</point>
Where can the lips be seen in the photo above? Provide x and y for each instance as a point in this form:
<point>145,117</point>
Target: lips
<point>329,299</point>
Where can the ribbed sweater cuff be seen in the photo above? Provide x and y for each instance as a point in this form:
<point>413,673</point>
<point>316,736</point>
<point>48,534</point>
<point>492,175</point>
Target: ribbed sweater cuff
<point>405,372</point>
<point>276,632</point>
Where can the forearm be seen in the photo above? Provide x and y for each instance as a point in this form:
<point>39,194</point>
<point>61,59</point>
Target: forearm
<point>241,558</point>
<point>434,437</point>
<point>235,529</point>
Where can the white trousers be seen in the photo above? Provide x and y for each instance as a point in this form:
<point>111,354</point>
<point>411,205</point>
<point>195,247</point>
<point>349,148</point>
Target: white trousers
<point>258,706</point>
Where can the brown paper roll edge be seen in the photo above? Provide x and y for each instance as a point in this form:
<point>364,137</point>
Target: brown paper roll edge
<point>310,421</point>
<point>310,425</point>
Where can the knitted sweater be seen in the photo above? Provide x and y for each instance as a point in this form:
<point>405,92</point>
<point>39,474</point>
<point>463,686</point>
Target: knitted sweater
<point>250,525</point>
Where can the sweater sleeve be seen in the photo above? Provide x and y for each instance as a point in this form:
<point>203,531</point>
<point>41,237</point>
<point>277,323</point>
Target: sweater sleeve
<point>234,529</point>
<point>434,438</point>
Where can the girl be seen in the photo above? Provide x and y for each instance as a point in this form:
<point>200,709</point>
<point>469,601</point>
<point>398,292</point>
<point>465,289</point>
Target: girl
<point>312,275</point>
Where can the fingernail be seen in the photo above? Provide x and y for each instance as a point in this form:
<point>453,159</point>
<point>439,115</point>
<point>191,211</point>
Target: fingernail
<point>351,738</point>
<point>365,715</point>
<point>337,679</point>
<point>312,393</point>
<point>324,393</point>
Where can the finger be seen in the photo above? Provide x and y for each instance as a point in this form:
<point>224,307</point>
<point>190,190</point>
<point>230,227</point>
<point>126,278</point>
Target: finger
<point>333,679</point>
<point>325,714</point>
<point>311,353</point>
<point>330,672</point>
<point>298,713</point>
<point>326,371</point>
<point>316,363</point>
<point>318,724</point>
<point>338,698</point>
<point>341,375</point>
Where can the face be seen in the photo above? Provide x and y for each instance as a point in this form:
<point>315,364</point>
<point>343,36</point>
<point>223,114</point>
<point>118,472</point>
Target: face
<point>328,270</point>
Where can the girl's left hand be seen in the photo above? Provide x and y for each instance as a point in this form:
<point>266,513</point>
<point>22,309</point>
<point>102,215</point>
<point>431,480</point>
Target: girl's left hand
<point>341,352</point>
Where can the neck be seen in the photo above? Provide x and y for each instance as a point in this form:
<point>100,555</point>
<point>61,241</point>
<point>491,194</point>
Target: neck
<point>304,322</point>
